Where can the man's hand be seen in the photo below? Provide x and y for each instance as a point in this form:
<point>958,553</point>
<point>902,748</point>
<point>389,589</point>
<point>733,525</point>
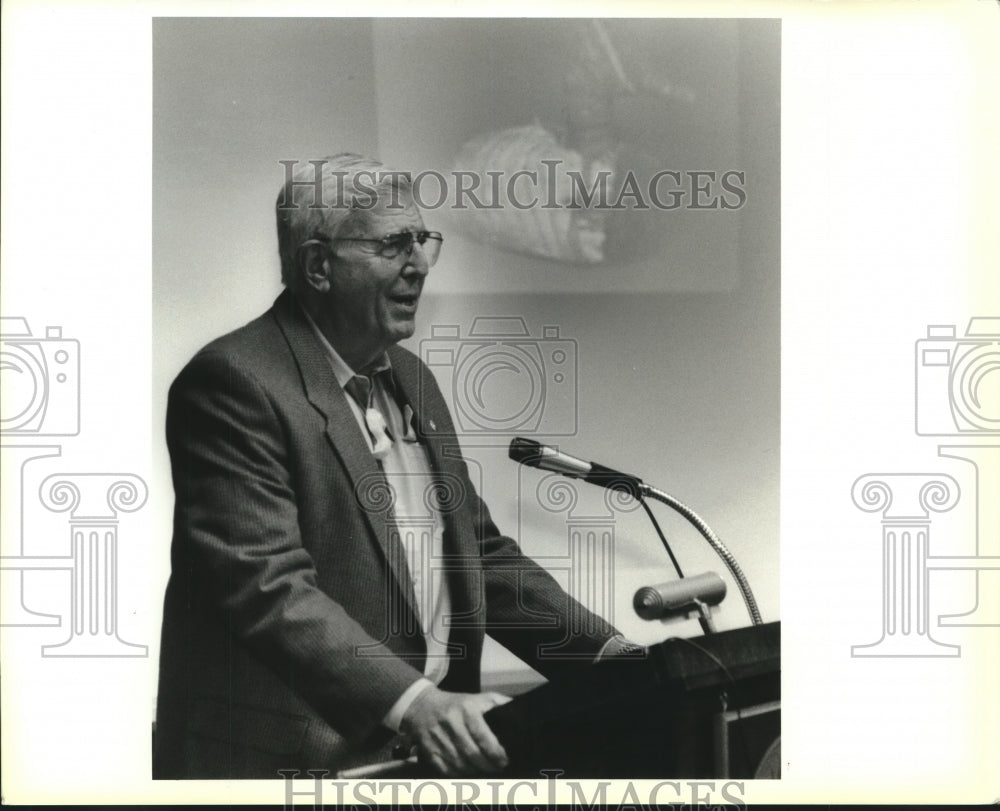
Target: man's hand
<point>451,734</point>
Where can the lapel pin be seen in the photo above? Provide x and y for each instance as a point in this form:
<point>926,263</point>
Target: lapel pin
<point>432,425</point>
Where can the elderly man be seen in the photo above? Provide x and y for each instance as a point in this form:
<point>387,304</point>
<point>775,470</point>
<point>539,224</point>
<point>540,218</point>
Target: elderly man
<point>302,627</point>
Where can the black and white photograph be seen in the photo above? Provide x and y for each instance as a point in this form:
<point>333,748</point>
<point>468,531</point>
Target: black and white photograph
<point>497,241</point>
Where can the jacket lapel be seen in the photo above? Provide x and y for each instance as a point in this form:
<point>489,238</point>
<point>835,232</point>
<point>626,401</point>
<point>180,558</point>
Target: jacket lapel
<point>434,429</point>
<point>344,436</point>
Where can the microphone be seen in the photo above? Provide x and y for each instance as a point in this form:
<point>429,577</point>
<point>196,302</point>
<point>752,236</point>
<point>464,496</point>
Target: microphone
<point>679,597</point>
<point>535,454</point>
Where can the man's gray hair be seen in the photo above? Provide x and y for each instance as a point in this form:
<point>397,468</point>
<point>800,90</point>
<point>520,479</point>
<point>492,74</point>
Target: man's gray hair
<point>319,197</point>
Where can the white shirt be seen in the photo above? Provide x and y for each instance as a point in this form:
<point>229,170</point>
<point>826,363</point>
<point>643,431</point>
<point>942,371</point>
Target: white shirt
<point>408,471</point>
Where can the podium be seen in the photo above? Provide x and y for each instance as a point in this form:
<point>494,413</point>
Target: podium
<point>704,707</point>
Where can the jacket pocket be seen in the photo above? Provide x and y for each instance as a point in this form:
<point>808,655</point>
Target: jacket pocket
<point>246,725</point>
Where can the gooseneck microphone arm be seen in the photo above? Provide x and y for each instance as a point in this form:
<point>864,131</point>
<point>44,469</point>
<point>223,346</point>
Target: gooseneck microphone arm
<point>534,454</point>
<point>714,541</point>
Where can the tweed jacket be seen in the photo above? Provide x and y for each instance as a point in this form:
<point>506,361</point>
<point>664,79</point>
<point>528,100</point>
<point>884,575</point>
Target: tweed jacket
<point>288,624</point>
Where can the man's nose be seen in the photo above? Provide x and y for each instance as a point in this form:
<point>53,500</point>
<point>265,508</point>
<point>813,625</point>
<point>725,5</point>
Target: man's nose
<point>416,262</point>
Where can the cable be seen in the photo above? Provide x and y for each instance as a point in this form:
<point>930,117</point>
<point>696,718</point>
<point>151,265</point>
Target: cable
<point>707,653</point>
<point>663,538</point>
<point>740,734</point>
<point>714,542</point>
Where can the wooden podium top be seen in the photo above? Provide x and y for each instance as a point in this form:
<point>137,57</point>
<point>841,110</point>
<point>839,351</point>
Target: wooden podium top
<point>645,717</point>
<point>635,717</point>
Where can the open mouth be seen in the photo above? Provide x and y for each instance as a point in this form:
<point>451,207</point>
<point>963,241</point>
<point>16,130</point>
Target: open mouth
<point>407,299</point>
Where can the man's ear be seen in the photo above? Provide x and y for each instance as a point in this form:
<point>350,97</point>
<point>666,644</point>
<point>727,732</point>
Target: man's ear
<point>314,265</point>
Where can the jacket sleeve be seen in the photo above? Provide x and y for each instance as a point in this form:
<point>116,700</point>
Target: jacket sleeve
<point>527,611</point>
<point>237,539</point>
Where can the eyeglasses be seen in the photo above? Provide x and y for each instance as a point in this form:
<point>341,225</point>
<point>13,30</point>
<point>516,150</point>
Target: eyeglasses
<point>395,245</point>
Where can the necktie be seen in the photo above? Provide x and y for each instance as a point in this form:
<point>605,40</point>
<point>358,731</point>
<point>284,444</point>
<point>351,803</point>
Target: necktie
<point>361,389</point>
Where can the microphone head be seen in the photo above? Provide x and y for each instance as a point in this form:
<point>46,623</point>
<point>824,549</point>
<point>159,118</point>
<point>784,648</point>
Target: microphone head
<point>678,597</point>
<point>525,451</point>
